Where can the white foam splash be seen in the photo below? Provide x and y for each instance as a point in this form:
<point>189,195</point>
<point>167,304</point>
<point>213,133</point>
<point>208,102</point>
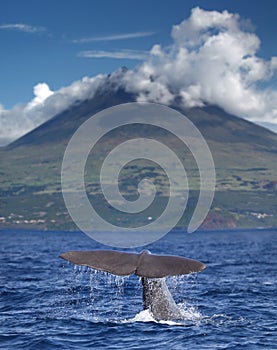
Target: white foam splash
<point>142,316</point>
<point>189,313</point>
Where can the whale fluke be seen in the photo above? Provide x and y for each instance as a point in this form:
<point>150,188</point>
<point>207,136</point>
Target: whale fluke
<point>116,263</point>
<point>152,268</point>
<point>142,264</point>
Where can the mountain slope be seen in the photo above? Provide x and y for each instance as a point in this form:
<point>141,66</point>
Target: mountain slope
<point>62,126</point>
<point>245,157</point>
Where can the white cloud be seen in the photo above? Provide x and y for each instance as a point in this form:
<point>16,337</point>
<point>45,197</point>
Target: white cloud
<point>41,93</point>
<point>120,54</point>
<point>22,27</point>
<point>212,60</point>
<point>45,104</point>
<point>114,37</point>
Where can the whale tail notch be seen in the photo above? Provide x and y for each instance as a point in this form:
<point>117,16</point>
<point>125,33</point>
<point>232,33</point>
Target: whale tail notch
<point>142,264</point>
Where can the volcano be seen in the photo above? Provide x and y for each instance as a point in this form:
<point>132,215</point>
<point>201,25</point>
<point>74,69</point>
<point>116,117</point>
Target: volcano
<point>244,153</point>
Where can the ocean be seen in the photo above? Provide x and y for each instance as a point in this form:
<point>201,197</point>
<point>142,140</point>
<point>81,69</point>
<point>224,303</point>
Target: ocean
<point>48,303</point>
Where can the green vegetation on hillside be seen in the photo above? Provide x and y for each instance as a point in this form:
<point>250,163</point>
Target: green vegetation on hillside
<point>245,157</point>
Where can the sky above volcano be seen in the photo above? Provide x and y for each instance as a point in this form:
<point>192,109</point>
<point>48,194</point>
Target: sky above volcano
<point>217,52</point>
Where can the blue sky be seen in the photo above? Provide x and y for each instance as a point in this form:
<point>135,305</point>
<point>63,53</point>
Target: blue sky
<point>49,52</point>
<point>59,42</point>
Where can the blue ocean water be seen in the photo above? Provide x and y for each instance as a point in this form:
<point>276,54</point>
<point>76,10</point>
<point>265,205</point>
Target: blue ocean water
<point>47,303</point>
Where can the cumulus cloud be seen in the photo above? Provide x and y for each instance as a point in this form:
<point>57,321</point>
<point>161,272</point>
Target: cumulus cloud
<point>41,93</point>
<point>45,104</point>
<point>213,59</point>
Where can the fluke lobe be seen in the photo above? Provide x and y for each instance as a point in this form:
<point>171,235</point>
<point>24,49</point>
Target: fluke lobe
<point>152,268</point>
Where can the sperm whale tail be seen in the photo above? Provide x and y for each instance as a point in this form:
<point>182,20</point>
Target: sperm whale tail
<point>142,264</point>
<point>152,268</point>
